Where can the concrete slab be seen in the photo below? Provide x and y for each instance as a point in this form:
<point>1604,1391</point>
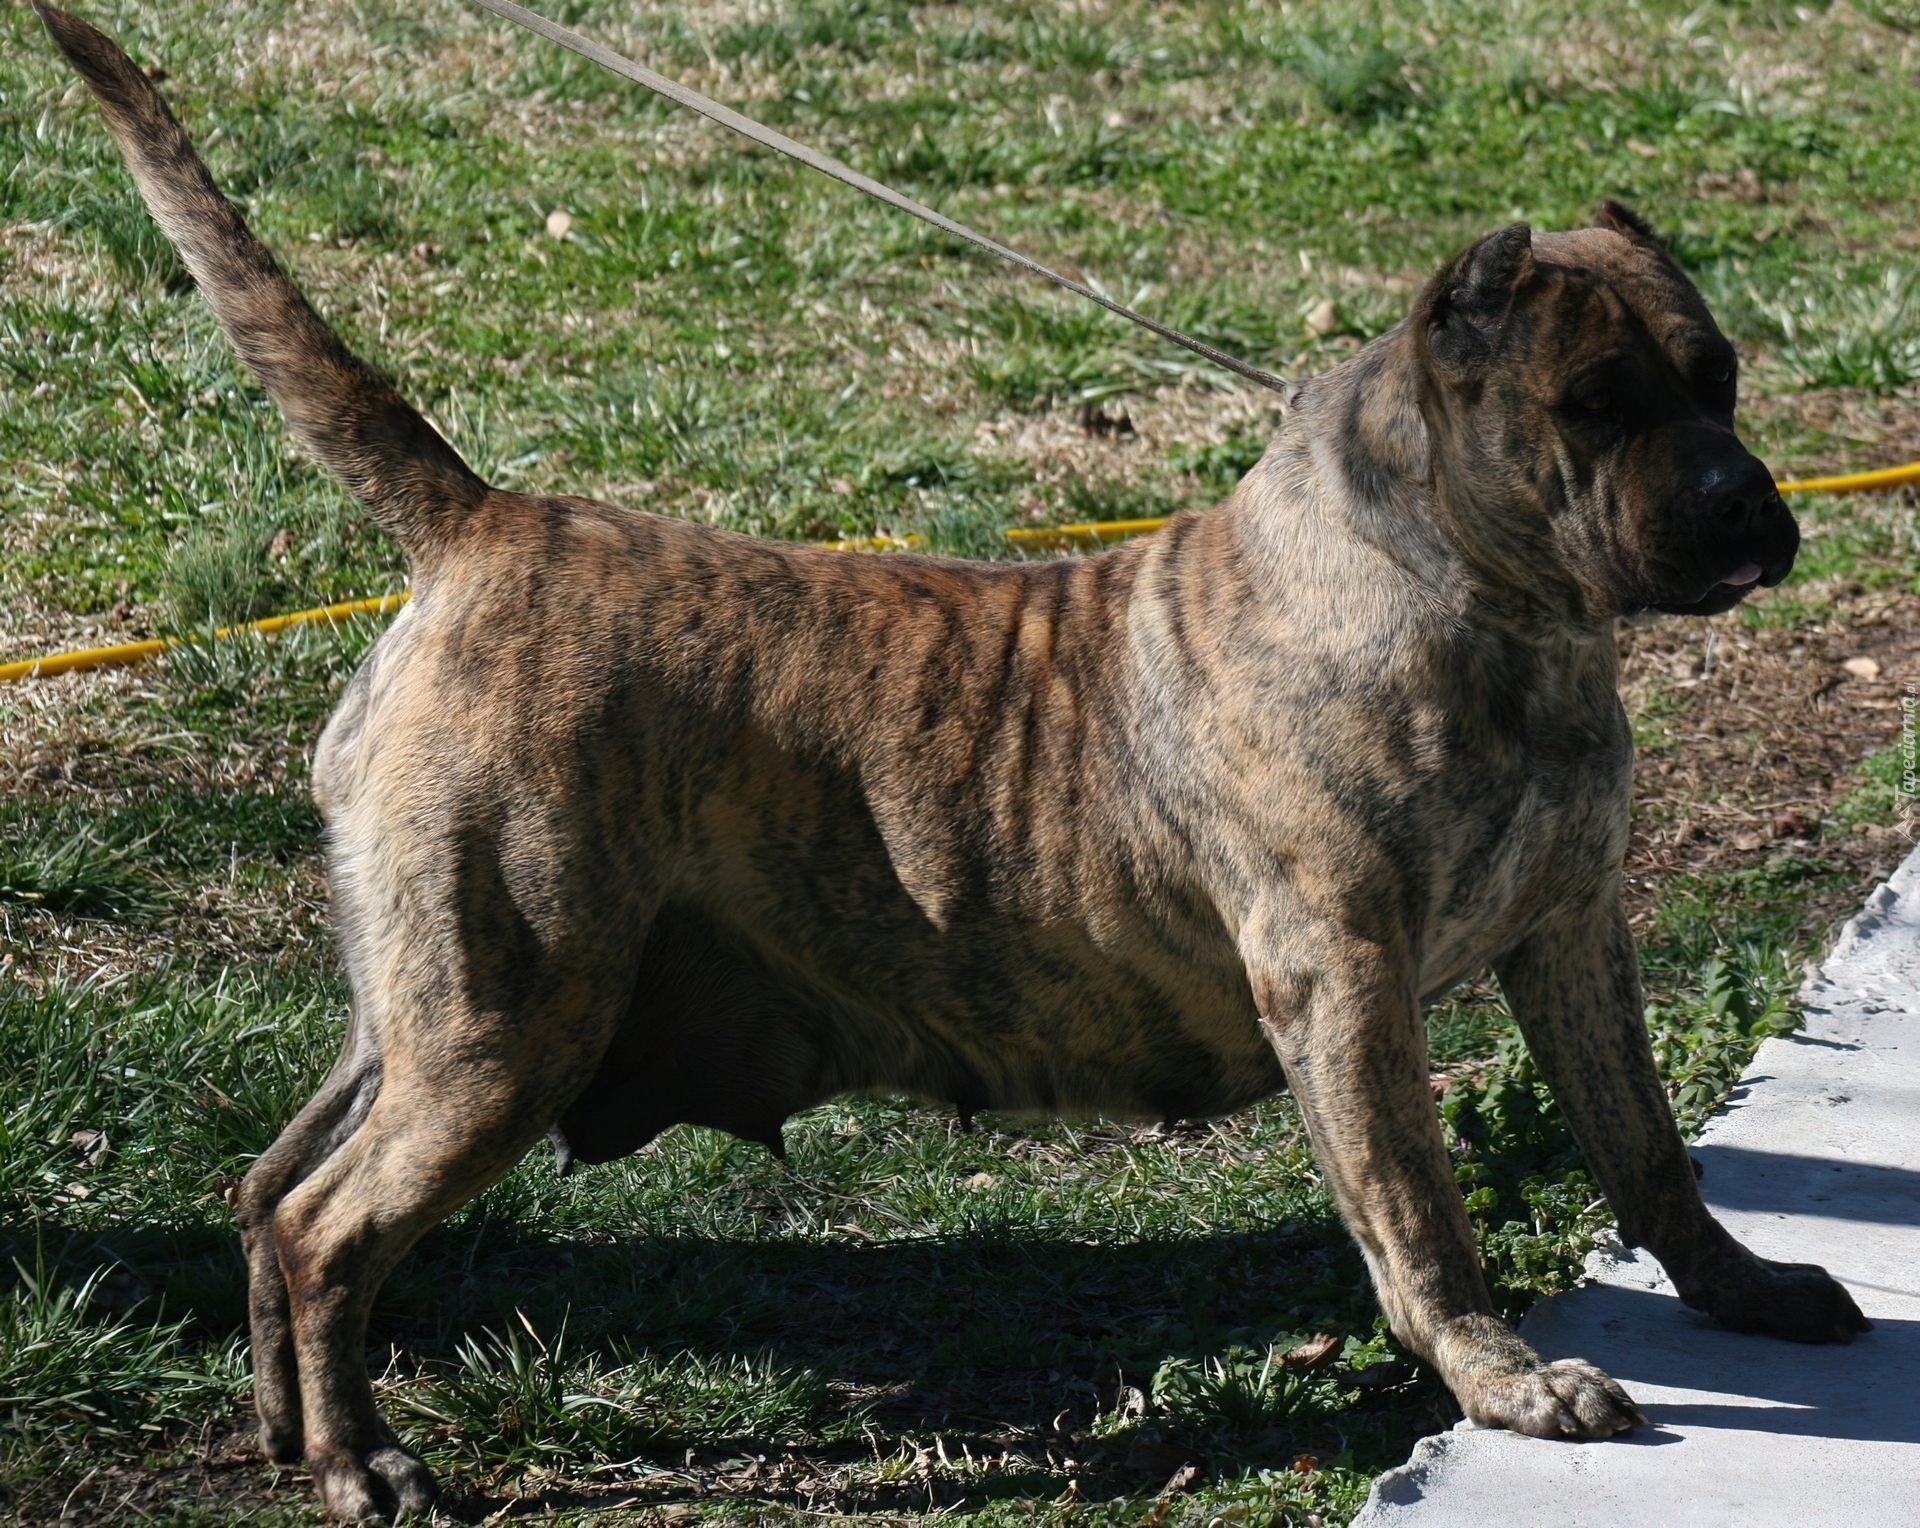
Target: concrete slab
<point>1816,1159</point>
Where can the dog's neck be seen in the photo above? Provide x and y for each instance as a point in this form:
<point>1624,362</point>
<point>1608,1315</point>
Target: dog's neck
<point>1361,444</point>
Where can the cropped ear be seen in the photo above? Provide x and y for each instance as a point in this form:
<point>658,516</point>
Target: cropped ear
<point>1618,217</point>
<point>1468,301</point>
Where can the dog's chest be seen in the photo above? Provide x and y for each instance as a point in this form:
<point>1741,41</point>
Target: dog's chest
<point>1526,822</point>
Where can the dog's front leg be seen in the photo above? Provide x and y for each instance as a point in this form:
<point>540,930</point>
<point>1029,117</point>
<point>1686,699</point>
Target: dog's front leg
<point>1574,987</point>
<point>1343,1018</point>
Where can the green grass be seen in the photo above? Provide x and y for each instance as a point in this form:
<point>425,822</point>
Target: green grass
<point>61,862</point>
<point>1039,1321</point>
<point>1883,787</point>
<point>72,1372</point>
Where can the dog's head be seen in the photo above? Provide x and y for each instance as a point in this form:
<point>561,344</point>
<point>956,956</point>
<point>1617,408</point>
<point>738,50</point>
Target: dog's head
<point>1579,376</point>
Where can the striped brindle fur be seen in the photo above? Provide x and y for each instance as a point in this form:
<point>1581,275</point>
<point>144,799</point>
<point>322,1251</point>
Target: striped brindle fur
<point>632,822</point>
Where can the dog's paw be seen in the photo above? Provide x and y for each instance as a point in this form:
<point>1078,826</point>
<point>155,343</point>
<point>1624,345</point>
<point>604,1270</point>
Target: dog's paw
<point>386,1482</point>
<point>1798,1301</point>
<point>1568,1399</point>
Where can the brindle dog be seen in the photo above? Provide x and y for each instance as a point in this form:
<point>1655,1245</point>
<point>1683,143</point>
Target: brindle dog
<point>632,822</point>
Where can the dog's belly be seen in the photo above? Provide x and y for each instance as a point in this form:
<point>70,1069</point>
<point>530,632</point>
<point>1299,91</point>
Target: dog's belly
<point>730,1031</point>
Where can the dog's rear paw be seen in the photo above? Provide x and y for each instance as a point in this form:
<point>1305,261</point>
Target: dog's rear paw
<point>1568,1399</point>
<point>387,1482</point>
<point>1798,1301</point>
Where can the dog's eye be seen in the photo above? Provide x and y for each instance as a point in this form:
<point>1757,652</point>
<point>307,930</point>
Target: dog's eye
<point>1597,401</point>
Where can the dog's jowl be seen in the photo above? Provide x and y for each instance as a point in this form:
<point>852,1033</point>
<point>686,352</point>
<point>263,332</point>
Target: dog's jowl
<point>632,822</point>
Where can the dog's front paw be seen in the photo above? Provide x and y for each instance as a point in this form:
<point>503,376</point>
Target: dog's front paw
<point>1501,1382</point>
<point>1568,1399</point>
<point>385,1482</point>
<point>1798,1301</point>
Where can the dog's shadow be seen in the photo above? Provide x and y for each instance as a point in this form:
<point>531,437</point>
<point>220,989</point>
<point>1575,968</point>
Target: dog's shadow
<point>1001,1323</point>
<point>1858,1392</point>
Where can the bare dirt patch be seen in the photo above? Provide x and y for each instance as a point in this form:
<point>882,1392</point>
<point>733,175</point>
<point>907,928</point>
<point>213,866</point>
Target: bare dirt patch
<point>1756,736</point>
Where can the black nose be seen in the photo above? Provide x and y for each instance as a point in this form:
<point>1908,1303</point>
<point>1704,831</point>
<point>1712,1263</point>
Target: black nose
<point>1736,493</point>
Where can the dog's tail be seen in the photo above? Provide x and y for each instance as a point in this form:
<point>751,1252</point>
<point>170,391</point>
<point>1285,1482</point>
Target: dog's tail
<point>412,481</point>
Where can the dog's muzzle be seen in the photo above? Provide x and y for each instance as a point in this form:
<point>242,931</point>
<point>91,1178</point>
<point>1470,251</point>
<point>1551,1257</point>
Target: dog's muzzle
<point>1736,535</point>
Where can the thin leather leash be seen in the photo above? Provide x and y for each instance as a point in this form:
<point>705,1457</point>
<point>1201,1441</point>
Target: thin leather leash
<point>826,164</point>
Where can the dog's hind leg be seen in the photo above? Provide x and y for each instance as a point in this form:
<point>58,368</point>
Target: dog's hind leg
<point>458,1105</point>
<point>491,965</point>
<point>313,1135</point>
<point>1344,1019</point>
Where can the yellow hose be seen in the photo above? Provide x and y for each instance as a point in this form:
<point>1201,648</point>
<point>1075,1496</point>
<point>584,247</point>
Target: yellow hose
<point>1855,482</point>
<point>1041,537</point>
<point>138,652</point>
<point>1097,532</point>
<point>1055,536</point>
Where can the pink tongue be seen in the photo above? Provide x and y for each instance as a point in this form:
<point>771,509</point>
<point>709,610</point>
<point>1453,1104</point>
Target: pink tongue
<point>1744,575</point>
